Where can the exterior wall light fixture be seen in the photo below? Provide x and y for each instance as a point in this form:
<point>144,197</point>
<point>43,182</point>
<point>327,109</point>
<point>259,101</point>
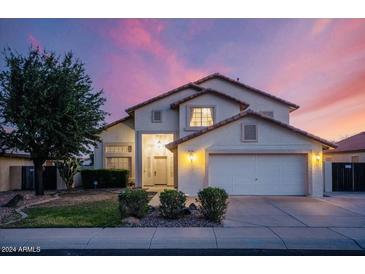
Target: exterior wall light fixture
<point>191,155</point>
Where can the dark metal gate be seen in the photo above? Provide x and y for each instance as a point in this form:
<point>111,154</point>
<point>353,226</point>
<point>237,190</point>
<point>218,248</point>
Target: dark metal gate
<point>348,176</point>
<point>49,177</point>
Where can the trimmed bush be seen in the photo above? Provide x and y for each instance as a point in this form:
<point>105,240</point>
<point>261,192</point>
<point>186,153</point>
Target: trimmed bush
<point>213,202</point>
<point>133,202</point>
<point>172,203</point>
<point>105,178</point>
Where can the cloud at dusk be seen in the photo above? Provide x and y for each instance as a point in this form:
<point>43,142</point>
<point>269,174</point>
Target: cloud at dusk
<point>318,64</point>
<point>34,42</point>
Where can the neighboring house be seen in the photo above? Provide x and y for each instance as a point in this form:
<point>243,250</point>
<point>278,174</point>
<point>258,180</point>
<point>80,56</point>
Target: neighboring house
<point>17,173</point>
<point>345,165</point>
<point>215,132</point>
<point>10,169</point>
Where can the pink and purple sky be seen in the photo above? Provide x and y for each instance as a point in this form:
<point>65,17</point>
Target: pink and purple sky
<point>318,64</point>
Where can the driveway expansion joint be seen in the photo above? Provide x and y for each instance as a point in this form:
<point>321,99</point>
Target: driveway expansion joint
<point>295,218</point>
<point>339,233</point>
<point>215,237</point>
<point>337,205</point>
<point>277,235</point>
<point>153,236</point>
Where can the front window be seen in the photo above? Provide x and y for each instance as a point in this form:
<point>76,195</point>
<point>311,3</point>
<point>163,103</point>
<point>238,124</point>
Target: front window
<point>118,148</point>
<point>201,117</point>
<point>118,163</point>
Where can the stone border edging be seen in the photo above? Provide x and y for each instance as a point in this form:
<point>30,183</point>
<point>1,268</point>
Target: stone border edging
<point>24,215</point>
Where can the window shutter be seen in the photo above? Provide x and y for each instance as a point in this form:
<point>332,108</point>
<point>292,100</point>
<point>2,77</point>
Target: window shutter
<point>250,133</point>
<point>156,116</point>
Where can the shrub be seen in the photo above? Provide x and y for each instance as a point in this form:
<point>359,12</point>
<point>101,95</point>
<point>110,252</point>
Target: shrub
<point>133,202</point>
<point>67,169</point>
<point>172,203</point>
<point>105,178</point>
<point>214,203</point>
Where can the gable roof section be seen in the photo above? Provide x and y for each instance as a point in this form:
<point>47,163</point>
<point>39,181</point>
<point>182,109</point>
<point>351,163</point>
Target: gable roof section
<point>14,153</point>
<point>355,143</point>
<point>239,116</point>
<point>208,91</point>
<point>116,122</point>
<point>237,83</point>
<point>163,95</point>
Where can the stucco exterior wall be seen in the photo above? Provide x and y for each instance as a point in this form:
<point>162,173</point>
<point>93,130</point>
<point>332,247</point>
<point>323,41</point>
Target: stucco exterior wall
<point>256,101</point>
<point>344,157</point>
<point>121,133</point>
<point>5,164</point>
<point>192,175</point>
<point>222,108</point>
<point>170,117</point>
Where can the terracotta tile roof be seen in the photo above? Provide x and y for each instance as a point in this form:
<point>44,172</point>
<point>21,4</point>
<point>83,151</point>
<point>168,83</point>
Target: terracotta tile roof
<point>116,122</point>
<point>235,82</point>
<point>246,113</point>
<point>163,95</point>
<point>208,91</point>
<point>355,143</point>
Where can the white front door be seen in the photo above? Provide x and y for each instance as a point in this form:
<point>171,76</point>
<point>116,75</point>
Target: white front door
<point>160,170</point>
<point>259,174</point>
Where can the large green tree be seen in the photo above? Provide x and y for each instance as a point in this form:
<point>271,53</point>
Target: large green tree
<point>48,107</point>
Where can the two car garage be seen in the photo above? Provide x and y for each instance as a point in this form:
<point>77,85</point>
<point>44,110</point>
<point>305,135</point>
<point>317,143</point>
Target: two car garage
<point>259,174</point>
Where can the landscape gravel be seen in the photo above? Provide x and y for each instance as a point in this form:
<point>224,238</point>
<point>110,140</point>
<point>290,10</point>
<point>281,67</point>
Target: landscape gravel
<point>154,219</point>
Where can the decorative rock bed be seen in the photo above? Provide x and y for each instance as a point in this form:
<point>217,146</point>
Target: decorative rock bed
<point>153,219</point>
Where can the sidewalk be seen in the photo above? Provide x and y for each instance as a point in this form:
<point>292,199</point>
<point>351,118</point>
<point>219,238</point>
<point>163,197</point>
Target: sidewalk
<point>274,238</point>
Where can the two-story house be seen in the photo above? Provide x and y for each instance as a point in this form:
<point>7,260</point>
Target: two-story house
<point>215,131</point>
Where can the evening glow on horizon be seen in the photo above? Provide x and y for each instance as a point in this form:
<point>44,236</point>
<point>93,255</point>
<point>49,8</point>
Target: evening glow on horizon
<point>318,64</point>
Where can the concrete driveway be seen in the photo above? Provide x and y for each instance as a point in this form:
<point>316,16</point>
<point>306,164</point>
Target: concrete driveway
<point>284,211</point>
<point>299,222</point>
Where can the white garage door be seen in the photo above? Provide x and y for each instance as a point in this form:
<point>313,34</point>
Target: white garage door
<point>259,174</point>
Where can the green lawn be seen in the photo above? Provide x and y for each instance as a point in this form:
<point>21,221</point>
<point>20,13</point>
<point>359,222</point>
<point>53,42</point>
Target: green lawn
<point>92,214</point>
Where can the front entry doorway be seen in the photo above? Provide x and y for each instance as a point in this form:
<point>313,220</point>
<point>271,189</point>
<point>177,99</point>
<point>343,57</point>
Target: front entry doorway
<point>157,160</point>
<point>160,170</point>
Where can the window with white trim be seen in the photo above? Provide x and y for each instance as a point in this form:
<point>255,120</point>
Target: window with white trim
<point>201,117</point>
<point>116,148</point>
<point>118,163</point>
<point>156,116</point>
<point>249,133</point>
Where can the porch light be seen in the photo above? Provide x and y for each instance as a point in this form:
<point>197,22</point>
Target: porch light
<point>318,157</point>
<point>191,155</point>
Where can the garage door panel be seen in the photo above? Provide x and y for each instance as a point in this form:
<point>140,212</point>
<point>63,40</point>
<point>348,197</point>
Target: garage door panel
<point>258,174</point>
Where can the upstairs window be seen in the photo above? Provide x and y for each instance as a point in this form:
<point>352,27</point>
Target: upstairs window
<point>268,113</point>
<point>118,149</point>
<point>156,116</point>
<point>201,117</point>
<point>249,133</point>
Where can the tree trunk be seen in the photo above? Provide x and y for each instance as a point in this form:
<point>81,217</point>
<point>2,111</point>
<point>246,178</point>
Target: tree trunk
<point>38,177</point>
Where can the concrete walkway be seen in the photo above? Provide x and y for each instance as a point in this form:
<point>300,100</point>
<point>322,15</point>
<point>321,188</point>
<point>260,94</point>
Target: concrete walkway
<point>187,238</point>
